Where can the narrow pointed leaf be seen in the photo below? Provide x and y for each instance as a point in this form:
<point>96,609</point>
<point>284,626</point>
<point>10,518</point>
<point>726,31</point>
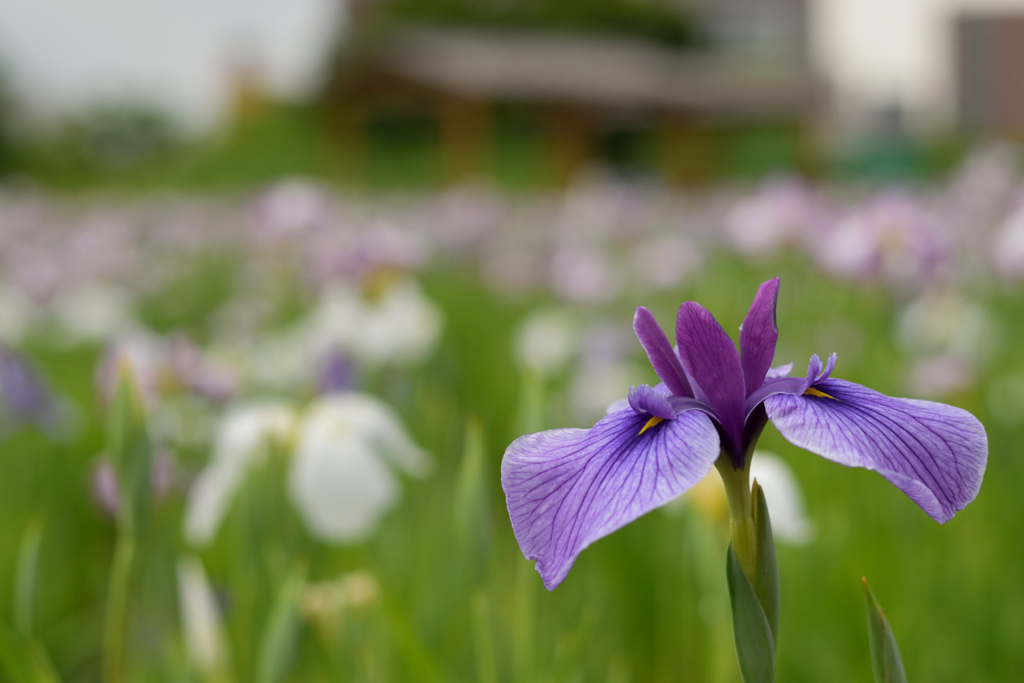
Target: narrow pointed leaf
<point>470,510</point>
<point>766,583</point>
<point>281,630</point>
<point>755,647</point>
<point>25,578</point>
<point>885,655</point>
<point>128,448</point>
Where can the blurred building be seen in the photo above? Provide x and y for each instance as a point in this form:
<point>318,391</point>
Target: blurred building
<point>737,94</point>
<point>990,73</point>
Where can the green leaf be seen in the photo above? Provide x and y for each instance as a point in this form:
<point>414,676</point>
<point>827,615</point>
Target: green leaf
<point>470,510</point>
<point>885,655</point>
<point>281,630</point>
<point>25,577</point>
<point>21,660</point>
<point>483,639</point>
<point>766,582</point>
<point>755,645</point>
<point>128,448</point>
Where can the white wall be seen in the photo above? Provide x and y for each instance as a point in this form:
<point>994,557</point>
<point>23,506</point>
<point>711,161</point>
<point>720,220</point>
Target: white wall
<point>879,52</point>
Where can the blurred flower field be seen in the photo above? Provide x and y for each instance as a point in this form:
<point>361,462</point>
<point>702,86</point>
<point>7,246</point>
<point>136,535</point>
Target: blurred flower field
<point>328,383</point>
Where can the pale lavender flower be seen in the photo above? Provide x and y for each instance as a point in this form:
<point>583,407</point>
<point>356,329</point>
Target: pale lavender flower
<point>782,212</point>
<point>584,275</point>
<point>664,261</point>
<point>895,238</point>
<point>201,373</point>
<point>1007,253</point>
<point>290,209</point>
<point>566,488</point>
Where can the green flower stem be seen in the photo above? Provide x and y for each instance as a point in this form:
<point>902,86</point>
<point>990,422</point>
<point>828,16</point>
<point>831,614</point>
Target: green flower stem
<point>117,607</point>
<point>742,529</point>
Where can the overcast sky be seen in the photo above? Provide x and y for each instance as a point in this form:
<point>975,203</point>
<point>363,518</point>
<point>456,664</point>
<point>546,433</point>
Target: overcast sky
<point>63,55</point>
<point>69,54</point>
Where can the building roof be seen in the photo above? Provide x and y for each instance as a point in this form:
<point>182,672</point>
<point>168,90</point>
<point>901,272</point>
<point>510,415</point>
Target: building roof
<point>590,70</point>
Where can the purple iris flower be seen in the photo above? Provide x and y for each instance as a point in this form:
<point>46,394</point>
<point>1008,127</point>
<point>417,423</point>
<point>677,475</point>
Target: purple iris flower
<point>566,488</point>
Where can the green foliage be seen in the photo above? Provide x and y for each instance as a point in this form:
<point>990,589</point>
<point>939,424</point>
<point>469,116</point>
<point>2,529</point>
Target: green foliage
<point>885,654</point>
<point>648,603</point>
<point>21,660</point>
<point>755,647</point>
<point>755,606</point>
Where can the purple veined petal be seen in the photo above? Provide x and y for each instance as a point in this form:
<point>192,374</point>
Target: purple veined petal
<point>709,357</point>
<point>659,351</point>
<point>566,488</point>
<point>681,404</point>
<point>758,336</point>
<point>779,372</point>
<point>934,453</point>
<point>786,385</point>
<point>644,399</point>
<point>792,385</point>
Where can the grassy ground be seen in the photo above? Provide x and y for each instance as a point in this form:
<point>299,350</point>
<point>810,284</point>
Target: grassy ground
<point>458,602</point>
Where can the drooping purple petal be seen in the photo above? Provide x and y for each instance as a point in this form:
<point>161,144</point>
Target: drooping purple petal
<point>644,399</point>
<point>934,453</point>
<point>758,336</point>
<point>710,359</point>
<point>659,351</point>
<point>566,488</point>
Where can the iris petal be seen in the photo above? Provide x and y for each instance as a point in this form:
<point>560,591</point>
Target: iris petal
<point>659,351</point>
<point>758,336</point>
<point>566,488</point>
<point>709,357</point>
<point>934,453</point>
<point>644,399</point>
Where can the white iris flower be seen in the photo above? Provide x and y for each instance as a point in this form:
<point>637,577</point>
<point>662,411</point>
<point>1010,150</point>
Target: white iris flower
<point>341,479</point>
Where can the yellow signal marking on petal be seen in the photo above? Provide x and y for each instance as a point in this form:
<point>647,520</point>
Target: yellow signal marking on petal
<point>814,392</point>
<point>650,423</point>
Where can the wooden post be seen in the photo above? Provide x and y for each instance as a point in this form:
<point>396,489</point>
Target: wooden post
<point>688,150</point>
<point>351,133</point>
<point>568,140</point>
<point>466,137</point>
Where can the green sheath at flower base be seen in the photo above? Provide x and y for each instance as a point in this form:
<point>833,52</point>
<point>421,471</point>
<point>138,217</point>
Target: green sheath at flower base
<point>755,599</point>
<point>755,647</point>
<point>766,582</point>
<point>886,663</point>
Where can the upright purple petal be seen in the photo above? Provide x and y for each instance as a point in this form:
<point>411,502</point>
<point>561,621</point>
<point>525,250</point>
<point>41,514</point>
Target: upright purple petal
<point>758,336</point>
<point>660,352</point>
<point>710,359</point>
<point>934,453</point>
<point>566,488</point>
